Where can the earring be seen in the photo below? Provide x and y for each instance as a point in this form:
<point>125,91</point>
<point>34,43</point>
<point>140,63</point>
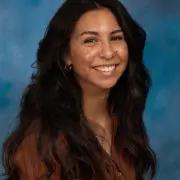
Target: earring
<point>68,68</point>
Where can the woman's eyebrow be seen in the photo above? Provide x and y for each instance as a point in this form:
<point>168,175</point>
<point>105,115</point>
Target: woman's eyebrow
<point>116,31</point>
<point>96,33</point>
<point>89,32</point>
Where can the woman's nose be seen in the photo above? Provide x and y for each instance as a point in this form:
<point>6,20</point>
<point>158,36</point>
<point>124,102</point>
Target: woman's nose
<point>107,51</point>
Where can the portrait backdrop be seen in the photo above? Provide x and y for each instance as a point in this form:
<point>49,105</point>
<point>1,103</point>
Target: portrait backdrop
<point>22,24</point>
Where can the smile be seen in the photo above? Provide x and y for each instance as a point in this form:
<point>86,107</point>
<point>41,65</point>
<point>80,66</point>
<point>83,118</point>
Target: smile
<point>106,70</point>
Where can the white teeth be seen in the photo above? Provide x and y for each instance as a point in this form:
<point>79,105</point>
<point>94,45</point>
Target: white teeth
<point>105,68</point>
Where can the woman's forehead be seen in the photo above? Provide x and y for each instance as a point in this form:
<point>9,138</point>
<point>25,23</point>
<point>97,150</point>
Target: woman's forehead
<point>102,20</point>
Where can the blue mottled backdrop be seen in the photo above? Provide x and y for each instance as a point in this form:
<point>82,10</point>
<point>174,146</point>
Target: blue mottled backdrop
<point>22,24</point>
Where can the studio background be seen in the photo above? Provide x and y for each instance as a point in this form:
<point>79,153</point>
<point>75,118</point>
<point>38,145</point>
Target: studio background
<point>22,24</point>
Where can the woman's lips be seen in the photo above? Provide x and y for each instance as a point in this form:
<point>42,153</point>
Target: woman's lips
<point>105,69</point>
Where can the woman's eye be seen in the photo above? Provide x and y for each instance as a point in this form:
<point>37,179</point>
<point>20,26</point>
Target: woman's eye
<point>117,38</point>
<point>90,40</point>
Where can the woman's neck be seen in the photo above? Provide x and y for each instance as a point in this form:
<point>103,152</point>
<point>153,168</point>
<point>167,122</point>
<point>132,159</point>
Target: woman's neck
<point>96,112</point>
<point>95,106</point>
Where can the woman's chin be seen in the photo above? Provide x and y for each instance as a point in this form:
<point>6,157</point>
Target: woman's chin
<point>106,85</point>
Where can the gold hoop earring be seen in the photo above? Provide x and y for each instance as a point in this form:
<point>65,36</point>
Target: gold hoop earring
<point>68,68</point>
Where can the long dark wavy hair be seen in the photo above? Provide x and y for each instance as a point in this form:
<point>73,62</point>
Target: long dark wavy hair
<point>53,99</point>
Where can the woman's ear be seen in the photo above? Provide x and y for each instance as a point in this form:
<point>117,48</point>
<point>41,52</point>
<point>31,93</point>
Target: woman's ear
<point>68,61</point>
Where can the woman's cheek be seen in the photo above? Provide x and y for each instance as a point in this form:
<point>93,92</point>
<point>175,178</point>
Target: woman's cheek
<point>123,52</point>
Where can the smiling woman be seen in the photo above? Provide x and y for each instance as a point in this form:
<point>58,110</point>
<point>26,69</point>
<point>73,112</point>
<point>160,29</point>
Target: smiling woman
<point>98,50</point>
<point>81,115</point>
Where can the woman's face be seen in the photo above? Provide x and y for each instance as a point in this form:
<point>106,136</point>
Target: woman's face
<point>98,51</point>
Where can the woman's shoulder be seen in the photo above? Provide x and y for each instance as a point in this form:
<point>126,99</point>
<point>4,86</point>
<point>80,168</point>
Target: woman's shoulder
<point>29,145</point>
<point>27,159</point>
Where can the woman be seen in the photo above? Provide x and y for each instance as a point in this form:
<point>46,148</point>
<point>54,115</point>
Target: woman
<point>82,114</point>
